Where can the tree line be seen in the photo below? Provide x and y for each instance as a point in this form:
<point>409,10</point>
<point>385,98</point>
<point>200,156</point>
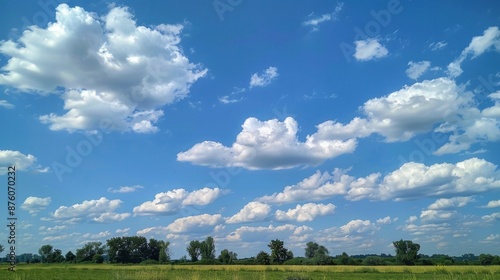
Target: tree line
<point>137,249</point>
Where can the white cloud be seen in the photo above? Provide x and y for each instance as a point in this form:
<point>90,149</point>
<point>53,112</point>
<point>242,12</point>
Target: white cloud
<point>110,217</point>
<point>437,215</point>
<point>402,114</point>
<point>97,236</point>
<point>478,45</point>
<point>417,69</point>
<point>385,221</point>
<point>315,21</point>
<point>249,233</point>
<point>265,78</point>
<point>194,223</point>
<point>369,49</point>
<point>122,231</point>
<point>251,212</point>
<point>35,204</point>
<point>437,45</point>
<point>491,218</point>
<point>167,203</point>
<point>358,226</point>
<point>317,186</point>
<point>305,213</point>
<point>492,238</point>
<point>267,145</point>
<point>412,180</point>
<point>449,203</point>
<point>203,196</point>
<point>6,104</point>
<point>492,204</point>
<point>17,159</point>
<point>125,189</point>
<point>100,211</point>
<point>109,68</point>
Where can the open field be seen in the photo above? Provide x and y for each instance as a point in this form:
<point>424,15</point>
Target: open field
<point>257,272</point>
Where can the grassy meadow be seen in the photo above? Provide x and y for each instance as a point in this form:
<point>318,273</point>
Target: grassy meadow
<point>254,272</point>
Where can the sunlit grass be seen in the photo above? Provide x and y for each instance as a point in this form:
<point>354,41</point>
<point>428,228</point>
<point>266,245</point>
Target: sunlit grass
<point>253,272</point>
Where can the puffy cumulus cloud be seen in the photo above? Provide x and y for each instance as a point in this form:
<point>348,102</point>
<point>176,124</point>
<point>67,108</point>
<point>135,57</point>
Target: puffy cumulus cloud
<point>35,204</point>
<point>449,203</point>
<point>492,204</point>
<point>100,211</point>
<point>109,68</point>
<point>252,212</point>
<point>267,145</point>
<point>316,187</point>
<point>314,21</point>
<point>354,234</point>
<point>265,78</point>
<point>412,180</point>
<point>478,45</point>
<point>472,126</point>
<point>417,69</point>
<point>386,220</point>
<point>492,238</point>
<point>21,161</point>
<point>369,49</point>
<point>358,226</point>
<point>305,213</point>
<point>125,189</point>
<point>203,196</point>
<point>167,203</point>
<point>402,114</point>
<point>194,223</point>
<point>249,233</point>
<point>111,217</point>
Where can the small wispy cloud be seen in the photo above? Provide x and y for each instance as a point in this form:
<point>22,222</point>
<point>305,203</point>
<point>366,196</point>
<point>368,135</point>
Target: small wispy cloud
<point>125,189</point>
<point>315,21</point>
<point>265,78</point>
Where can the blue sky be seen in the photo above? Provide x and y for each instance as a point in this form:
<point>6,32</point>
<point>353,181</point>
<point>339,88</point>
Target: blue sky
<point>349,124</point>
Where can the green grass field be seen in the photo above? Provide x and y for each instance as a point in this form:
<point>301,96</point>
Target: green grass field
<point>233,272</point>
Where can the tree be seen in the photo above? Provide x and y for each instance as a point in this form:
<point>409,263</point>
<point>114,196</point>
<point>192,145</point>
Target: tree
<point>70,257</point>
<point>56,256</point>
<point>406,251</point>
<point>263,258</point>
<point>279,254</point>
<point>89,250</point>
<point>1,248</point>
<point>164,256</point>
<point>344,259</point>
<point>207,249</point>
<point>194,250</point>
<point>45,251</point>
<point>227,257</point>
<point>317,253</point>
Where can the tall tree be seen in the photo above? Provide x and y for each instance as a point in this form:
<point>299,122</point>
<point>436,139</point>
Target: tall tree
<point>208,249</point>
<point>194,250</point>
<point>132,249</point>
<point>263,258</point>
<point>89,250</point>
<point>316,252</point>
<point>279,254</point>
<point>406,251</point>
<point>70,257</point>
<point>227,257</point>
<point>45,251</point>
<point>164,256</point>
